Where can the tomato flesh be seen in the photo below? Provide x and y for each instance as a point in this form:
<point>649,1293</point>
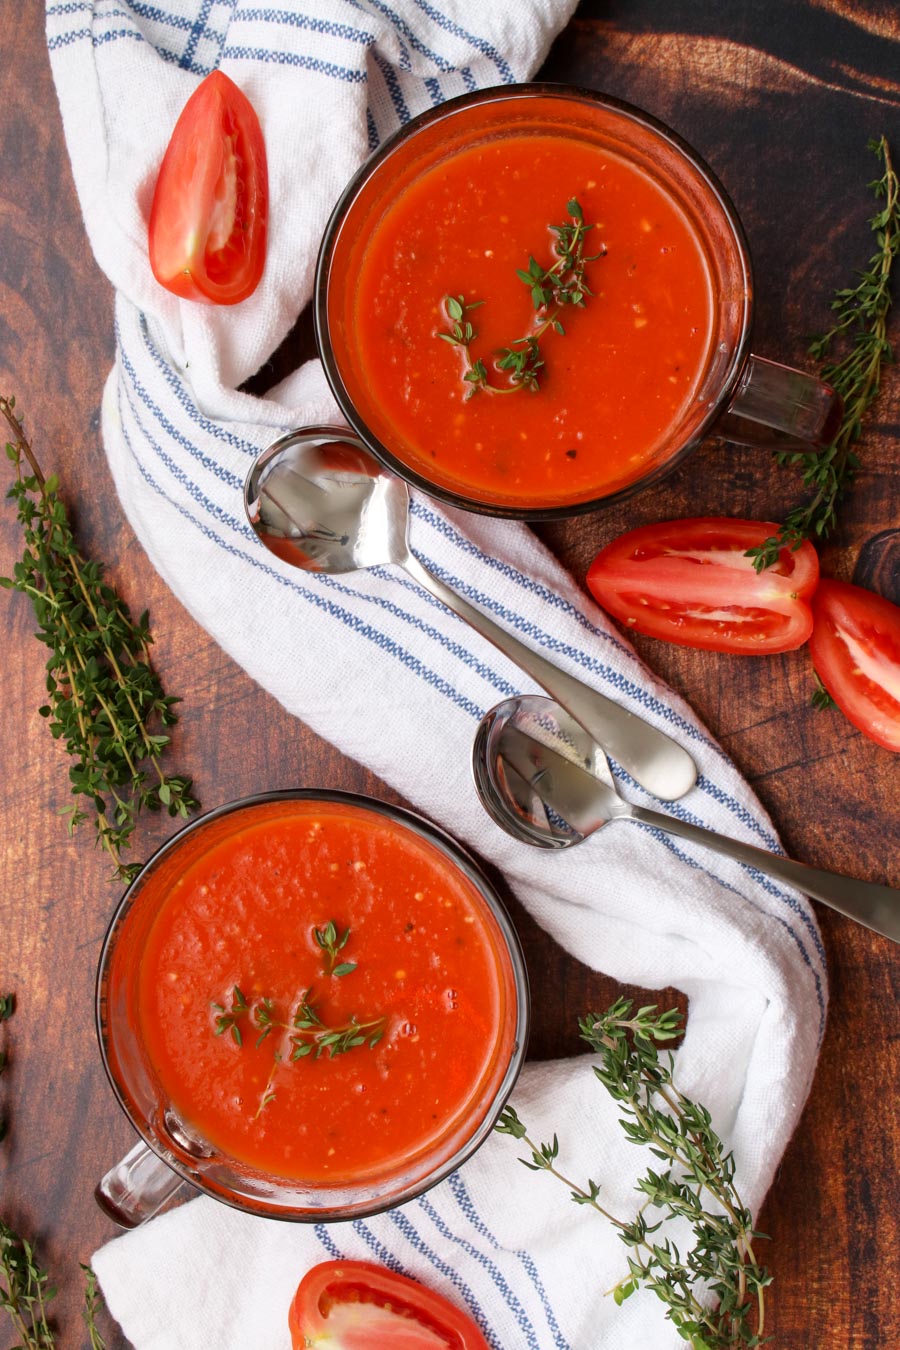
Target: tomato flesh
<point>855,648</point>
<point>690,582</point>
<point>208,221</point>
<point>356,1305</point>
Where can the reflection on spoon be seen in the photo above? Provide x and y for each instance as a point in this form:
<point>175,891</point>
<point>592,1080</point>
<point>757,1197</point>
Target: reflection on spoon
<point>546,783</point>
<point>320,502</point>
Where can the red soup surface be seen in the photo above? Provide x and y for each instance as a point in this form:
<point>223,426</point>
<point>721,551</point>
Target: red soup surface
<point>612,387</point>
<point>425,973</point>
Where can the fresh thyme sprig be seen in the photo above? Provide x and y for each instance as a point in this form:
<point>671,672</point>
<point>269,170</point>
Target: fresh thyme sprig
<point>860,331</point>
<point>696,1184</point>
<point>229,1018</point>
<point>307,1033</point>
<point>332,942</point>
<point>25,1291</point>
<point>103,691</point>
<point>93,1302</point>
<point>563,283</point>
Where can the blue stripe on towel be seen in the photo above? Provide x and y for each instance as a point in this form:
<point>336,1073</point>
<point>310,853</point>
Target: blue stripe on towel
<point>290,18</point>
<point>352,621</point>
<point>499,1279</point>
<point>668,842</point>
<point>215,429</point>
<point>461,1195</point>
<point>279,57</point>
<point>480,44</point>
<point>402,1223</point>
<point>244,530</point>
<point>161,16</point>
<point>323,1233</point>
<point>197,32</point>
<point>379,1250</point>
<point>407,34</point>
<point>392,84</point>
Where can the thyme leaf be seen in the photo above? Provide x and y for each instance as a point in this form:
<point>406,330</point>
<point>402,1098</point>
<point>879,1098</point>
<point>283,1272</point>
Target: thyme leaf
<point>25,1291</point>
<point>303,1031</point>
<point>103,694</point>
<point>332,943</point>
<point>552,289</point>
<point>696,1183</point>
<point>93,1302</point>
<point>853,352</point>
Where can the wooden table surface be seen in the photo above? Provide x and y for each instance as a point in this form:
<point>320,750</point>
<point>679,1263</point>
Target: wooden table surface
<point>781,97</point>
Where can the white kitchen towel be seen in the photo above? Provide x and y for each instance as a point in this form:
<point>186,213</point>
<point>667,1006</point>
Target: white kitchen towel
<point>372,663</point>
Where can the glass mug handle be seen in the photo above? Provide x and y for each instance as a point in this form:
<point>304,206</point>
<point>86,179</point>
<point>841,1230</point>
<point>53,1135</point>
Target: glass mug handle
<point>780,408</point>
<point>137,1187</point>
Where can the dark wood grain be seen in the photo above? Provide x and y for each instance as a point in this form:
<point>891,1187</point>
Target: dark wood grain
<point>781,97</point>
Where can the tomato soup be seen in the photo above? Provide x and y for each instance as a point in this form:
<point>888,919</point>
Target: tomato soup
<point>325,996</point>
<point>612,386</point>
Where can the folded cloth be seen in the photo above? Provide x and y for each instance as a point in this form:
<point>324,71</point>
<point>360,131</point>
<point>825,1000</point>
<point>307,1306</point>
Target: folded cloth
<point>373,664</point>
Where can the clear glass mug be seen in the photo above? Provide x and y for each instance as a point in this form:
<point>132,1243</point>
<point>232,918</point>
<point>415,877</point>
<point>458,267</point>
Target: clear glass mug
<point>738,397</point>
<point>172,1150</point>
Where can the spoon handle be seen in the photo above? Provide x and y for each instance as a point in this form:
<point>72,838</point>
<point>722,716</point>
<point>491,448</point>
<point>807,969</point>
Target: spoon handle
<point>652,758</point>
<point>877,907</point>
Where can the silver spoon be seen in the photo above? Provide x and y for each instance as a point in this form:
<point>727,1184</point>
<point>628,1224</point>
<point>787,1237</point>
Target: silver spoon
<point>546,782</point>
<point>318,500</point>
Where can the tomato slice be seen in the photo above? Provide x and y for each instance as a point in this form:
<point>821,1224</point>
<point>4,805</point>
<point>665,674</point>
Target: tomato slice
<point>855,648</point>
<point>355,1305</point>
<point>689,581</point>
<point>207,234</point>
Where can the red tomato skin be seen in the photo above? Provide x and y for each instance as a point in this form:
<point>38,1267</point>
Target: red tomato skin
<point>843,612</point>
<point>688,582</point>
<point>352,1286</point>
<point>216,147</point>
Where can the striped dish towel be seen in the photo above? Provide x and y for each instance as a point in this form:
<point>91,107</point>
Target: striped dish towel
<point>372,663</point>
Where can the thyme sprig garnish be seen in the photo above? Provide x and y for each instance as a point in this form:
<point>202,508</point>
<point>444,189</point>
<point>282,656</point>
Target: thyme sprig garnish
<point>25,1291</point>
<point>860,333</point>
<point>332,943</point>
<point>303,1033</point>
<point>93,1302</point>
<point>696,1184</point>
<point>103,692</point>
<point>552,289</point>
<point>25,1288</point>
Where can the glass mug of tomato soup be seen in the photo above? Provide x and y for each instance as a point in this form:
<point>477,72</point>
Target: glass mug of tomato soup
<point>311,1006</point>
<point>533,300</point>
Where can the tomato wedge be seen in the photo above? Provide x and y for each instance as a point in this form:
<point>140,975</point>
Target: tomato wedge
<point>855,648</point>
<point>355,1305</point>
<point>689,581</point>
<point>208,220</point>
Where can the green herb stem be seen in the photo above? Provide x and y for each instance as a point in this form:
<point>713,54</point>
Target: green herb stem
<point>25,1291</point>
<point>306,1032</point>
<point>860,331</point>
<point>103,691</point>
<point>722,1262</point>
<point>93,1302</point>
<point>563,284</point>
<point>332,942</point>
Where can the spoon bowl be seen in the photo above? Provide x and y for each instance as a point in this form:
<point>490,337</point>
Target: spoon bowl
<point>544,781</point>
<point>319,501</point>
<point>513,796</point>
